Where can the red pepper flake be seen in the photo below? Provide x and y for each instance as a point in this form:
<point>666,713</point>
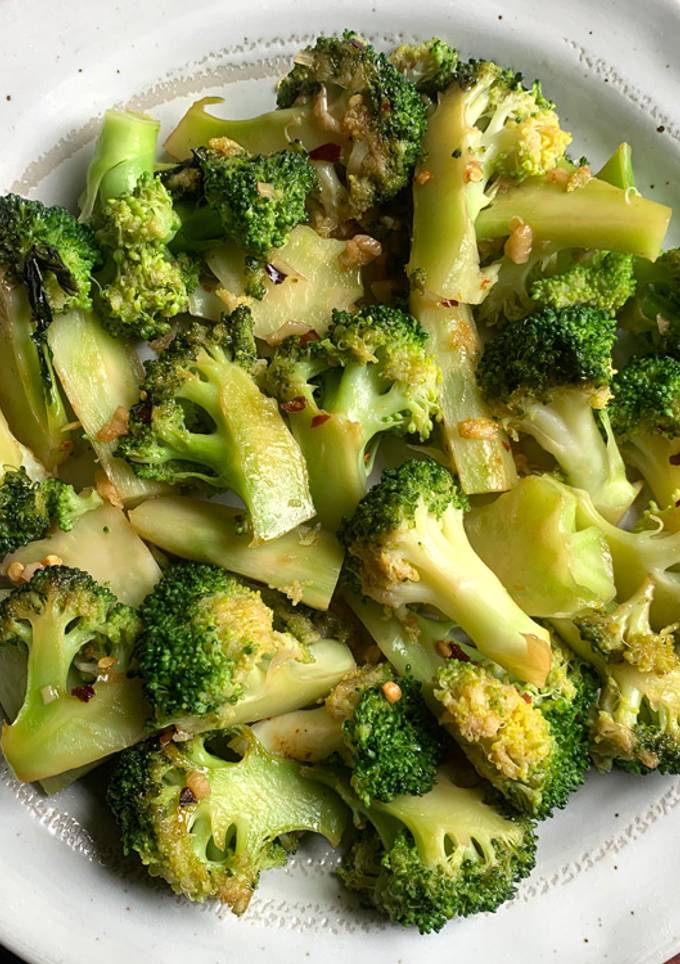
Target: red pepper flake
<point>457,652</point>
<point>526,697</point>
<point>308,336</point>
<point>506,446</point>
<point>144,410</point>
<point>186,797</point>
<point>83,693</point>
<point>326,152</point>
<point>293,404</point>
<point>275,276</point>
<point>675,459</point>
<point>166,736</point>
<point>319,420</point>
<point>449,303</point>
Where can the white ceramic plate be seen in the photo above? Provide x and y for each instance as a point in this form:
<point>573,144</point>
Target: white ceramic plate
<point>604,888</point>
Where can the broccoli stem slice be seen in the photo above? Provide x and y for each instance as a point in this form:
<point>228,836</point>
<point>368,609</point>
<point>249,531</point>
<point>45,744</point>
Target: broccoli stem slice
<point>100,375</point>
<point>304,564</point>
<point>483,464</point>
<point>567,428</point>
<point>656,457</point>
<point>125,149</point>
<point>32,404</point>
<point>309,736</point>
<point>596,215</point>
<point>618,170</point>
<point>265,134</point>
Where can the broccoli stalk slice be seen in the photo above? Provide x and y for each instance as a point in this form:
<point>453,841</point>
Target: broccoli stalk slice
<point>309,736</point>
<point>304,564</point>
<point>568,428</point>
<point>32,404</point>
<point>618,170</point>
<point>101,375</point>
<point>529,537</point>
<point>596,215</point>
<point>69,719</point>
<point>14,455</point>
<point>125,149</point>
<point>265,134</point>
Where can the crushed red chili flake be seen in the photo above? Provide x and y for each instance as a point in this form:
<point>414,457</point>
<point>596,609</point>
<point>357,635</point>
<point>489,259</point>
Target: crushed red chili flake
<point>144,410</point>
<point>293,404</point>
<point>449,303</point>
<point>276,276</point>
<point>326,152</point>
<point>526,697</point>
<point>506,446</point>
<point>319,420</point>
<point>308,336</point>
<point>186,797</point>
<point>457,652</point>
<point>675,459</point>
<point>83,693</point>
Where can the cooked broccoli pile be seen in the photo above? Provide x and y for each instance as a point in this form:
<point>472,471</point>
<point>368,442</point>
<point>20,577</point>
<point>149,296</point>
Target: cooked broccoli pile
<point>378,537</point>
<point>371,373</point>
<point>548,376</point>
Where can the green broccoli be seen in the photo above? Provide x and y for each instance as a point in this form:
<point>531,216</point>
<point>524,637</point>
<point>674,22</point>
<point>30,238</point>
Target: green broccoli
<point>379,725</point>
<point>209,824</point>
<point>654,312</point>
<point>47,258</point>
<point>407,545</point>
<point>259,198</point>
<point>430,66</point>
<point>548,374</point>
<point>645,415</point>
<point>28,509</point>
<point>530,742</point>
<point>79,704</point>
<point>343,98</point>
<point>203,419</point>
<point>214,652</point>
<point>371,373</point>
<point>421,861</point>
<point>637,724</point>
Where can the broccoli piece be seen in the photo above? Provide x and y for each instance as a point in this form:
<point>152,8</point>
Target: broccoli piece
<point>645,416</point>
<point>430,66</point>
<point>47,258</point>
<point>591,215</point>
<point>548,374</point>
<point>637,724</point>
<point>203,419</point>
<point>142,286</point>
<point>408,546</point>
<point>371,373</point>
<point>655,309</point>
<point>618,170</point>
<point>530,742</point>
<point>187,810</point>
<point>304,564</point>
<point>80,705</point>
<point>421,861</point>
<point>14,455</point>
<point>259,198</point>
<point>340,94</point>
<point>214,653</point>
<point>28,509</point>
<point>530,538</point>
<point>378,725</point>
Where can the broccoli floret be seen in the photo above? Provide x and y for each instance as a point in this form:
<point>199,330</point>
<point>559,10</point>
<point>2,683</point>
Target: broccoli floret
<point>421,861</point>
<point>408,546</point>
<point>28,509</point>
<point>637,724</point>
<point>548,374</point>
<point>259,198</point>
<point>342,93</point>
<point>142,287</point>
<point>379,725</point>
<point>203,419</point>
<point>430,66</point>
<point>213,653</point>
<point>208,824</point>
<point>530,743</point>
<point>79,704</point>
<point>371,373</point>
<point>549,564</point>
<point>655,309</point>
<point>645,415</point>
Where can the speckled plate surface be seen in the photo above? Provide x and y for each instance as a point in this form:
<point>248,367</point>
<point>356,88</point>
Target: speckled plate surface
<point>604,888</point>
